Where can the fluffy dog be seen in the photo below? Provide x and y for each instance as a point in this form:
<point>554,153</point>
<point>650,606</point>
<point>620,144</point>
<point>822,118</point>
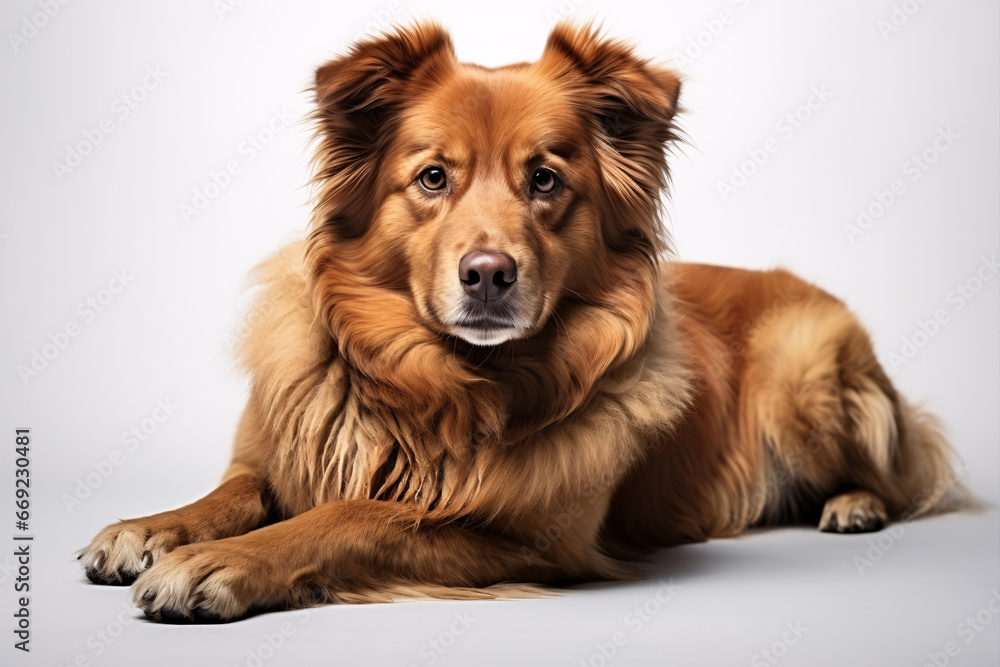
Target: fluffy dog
<point>479,374</point>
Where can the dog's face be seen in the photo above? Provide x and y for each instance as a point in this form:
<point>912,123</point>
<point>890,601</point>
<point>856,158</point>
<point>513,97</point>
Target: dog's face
<point>492,172</point>
<point>490,196</point>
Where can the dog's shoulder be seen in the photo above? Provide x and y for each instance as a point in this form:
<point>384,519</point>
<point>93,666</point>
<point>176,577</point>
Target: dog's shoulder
<point>284,338</point>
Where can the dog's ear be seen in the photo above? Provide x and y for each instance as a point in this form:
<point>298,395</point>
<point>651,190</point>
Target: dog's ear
<point>374,69</point>
<point>626,88</point>
<point>630,104</point>
<point>358,97</point>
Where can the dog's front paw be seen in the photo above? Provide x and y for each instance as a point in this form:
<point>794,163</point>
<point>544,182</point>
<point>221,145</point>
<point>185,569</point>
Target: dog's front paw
<point>205,582</point>
<point>122,551</point>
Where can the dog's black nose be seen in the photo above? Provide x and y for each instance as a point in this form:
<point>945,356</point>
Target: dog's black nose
<point>487,275</point>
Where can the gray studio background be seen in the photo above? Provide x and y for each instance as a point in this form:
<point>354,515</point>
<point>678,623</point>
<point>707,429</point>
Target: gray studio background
<point>805,111</point>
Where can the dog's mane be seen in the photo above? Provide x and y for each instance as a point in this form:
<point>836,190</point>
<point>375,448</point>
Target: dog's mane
<point>437,399</point>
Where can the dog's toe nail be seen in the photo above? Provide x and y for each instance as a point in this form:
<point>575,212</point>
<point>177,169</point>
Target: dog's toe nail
<point>171,616</point>
<point>147,560</point>
<point>205,616</point>
<point>873,523</point>
<point>148,595</point>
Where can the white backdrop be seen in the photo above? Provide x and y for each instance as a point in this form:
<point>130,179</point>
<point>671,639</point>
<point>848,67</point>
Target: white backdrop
<point>153,152</point>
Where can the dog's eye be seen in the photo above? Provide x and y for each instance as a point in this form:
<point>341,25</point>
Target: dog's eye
<point>544,180</point>
<point>432,179</point>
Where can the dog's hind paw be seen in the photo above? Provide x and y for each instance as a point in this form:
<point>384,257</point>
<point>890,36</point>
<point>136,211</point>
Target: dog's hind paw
<point>856,511</point>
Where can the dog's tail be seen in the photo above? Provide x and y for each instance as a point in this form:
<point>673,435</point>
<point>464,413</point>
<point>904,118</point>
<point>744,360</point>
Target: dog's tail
<point>931,477</point>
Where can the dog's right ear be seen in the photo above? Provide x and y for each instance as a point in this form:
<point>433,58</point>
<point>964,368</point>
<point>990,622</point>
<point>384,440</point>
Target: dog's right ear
<point>374,69</point>
<point>358,97</point>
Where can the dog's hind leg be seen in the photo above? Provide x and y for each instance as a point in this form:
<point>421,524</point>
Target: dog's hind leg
<point>841,446</point>
<point>857,511</point>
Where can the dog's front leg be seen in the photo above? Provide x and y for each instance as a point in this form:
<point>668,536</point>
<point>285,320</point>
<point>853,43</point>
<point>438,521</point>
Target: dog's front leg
<point>357,550</point>
<point>121,551</point>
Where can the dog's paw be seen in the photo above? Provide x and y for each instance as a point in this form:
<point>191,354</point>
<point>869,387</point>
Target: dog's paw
<point>122,551</point>
<point>853,512</point>
<point>205,582</point>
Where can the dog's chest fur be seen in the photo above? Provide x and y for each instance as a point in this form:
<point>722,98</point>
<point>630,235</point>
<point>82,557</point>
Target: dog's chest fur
<point>324,443</point>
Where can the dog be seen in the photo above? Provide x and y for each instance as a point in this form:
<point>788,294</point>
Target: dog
<point>481,374</point>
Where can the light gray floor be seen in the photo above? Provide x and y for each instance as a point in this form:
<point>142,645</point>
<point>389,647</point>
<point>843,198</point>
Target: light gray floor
<point>884,599</point>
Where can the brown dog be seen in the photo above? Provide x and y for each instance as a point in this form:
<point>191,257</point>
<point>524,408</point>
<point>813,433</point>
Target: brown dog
<point>479,373</point>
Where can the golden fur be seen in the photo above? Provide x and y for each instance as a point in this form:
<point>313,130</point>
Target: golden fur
<point>631,402</point>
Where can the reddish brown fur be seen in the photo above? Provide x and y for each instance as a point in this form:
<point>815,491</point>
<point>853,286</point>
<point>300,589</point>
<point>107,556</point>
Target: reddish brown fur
<point>634,403</point>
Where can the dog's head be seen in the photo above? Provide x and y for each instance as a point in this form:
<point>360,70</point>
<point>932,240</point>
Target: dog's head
<point>489,195</point>
<point>457,202</point>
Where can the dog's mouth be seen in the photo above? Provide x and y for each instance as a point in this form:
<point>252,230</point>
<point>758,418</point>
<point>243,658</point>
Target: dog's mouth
<point>486,334</point>
<point>487,324</point>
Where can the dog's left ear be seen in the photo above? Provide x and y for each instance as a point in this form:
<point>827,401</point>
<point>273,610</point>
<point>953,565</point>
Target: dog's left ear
<point>623,88</point>
<point>630,105</point>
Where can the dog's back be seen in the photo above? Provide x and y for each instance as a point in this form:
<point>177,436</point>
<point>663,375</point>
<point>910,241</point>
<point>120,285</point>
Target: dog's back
<point>794,420</point>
